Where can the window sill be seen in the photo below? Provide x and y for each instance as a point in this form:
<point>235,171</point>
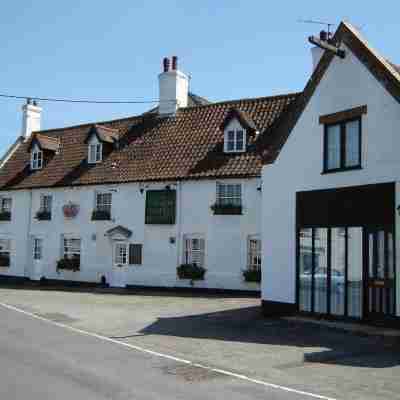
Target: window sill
<point>346,169</point>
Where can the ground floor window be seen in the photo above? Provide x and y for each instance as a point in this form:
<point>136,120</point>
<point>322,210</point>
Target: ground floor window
<point>194,250</point>
<point>127,253</point>
<point>330,264</point>
<point>121,254</point>
<point>72,248</point>
<point>37,248</point>
<point>254,253</point>
<point>5,249</point>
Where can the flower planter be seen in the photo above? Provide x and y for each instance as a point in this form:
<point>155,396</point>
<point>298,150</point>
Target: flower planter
<point>69,264</point>
<point>5,216</point>
<point>190,271</point>
<point>43,216</point>
<point>228,209</point>
<point>252,275</point>
<point>99,215</point>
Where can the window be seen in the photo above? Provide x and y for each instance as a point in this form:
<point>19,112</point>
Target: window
<point>234,140</point>
<point>72,248</point>
<point>160,207</point>
<point>37,159</point>
<point>254,254</point>
<point>37,248</point>
<point>95,153</point>
<point>135,254</point>
<point>5,208</point>
<point>103,202</point>
<point>121,254</point>
<point>342,146</point>
<point>46,202</point>
<point>194,251</point>
<point>229,194</point>
<point>5,249</point>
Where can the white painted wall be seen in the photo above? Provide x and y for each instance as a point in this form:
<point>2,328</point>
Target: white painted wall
<point>31,117</point>
<point>346,84</point>
<point>225,235</point>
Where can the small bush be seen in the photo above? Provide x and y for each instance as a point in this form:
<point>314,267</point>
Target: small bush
<point>252,275</point>
<point>70,264</point>
<point>226,209</point>
<point>4,261</point>
<point>190,271</point>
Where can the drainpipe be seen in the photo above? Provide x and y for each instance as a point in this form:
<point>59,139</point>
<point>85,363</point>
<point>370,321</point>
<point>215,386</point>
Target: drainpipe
<point>179,222</point>
<point>28,252</point>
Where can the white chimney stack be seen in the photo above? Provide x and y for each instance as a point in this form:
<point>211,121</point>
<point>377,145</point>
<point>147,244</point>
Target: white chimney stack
<point>30,118</point>
<point>173,88</point>
<point>316,53</point>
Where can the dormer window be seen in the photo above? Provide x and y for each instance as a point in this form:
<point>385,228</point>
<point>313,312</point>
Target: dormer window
<point>37,159</point>
<point>234,140</point>
<point>95,153</point>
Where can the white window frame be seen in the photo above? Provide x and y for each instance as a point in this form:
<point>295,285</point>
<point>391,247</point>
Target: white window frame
<point>95,156</point>
<point>37,248</point>
<point>118,259</point>
<point>194,254</point>
<point>36,159</point>
<point>103,205</point>
<point>7,248</point>
<point>46,202</point>
<point>227,141</point>
<point>254,253</point>
<point>229,194</point>
<point>68,249</point>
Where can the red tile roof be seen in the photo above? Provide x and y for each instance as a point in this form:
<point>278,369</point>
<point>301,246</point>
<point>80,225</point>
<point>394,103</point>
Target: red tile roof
<point>152,148</point>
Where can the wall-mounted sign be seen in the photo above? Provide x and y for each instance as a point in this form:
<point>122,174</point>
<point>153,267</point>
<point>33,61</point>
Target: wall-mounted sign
<point>70,210</point>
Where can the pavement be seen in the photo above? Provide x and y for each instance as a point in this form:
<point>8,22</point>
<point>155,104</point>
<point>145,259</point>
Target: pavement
<point>220,346</point>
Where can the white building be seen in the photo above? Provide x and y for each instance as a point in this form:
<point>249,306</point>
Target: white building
<point>329,224</point>
<point>128,201</point>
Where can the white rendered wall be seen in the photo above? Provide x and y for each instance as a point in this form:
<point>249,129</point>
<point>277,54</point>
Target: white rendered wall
<point>226,235</point>
<point>346,84</point>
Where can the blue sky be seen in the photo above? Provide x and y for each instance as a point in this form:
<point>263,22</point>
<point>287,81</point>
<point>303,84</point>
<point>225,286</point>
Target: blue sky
<point>113,50</point>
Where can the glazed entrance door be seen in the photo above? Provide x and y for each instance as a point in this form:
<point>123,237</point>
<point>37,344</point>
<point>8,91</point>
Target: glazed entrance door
<point>379,271</point>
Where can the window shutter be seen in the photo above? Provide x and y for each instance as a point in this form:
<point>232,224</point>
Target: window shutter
<point>160,207</point>
<point>135,254</point>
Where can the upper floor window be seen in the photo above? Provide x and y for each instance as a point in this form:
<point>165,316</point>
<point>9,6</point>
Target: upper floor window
<point>228,199</point>
<point>5,208</point>
<point>37,159</point>
<point>44,213</point>
<point>342,145</point>
<point>102,209</point>
<point>95,153</point>
<point>160,207</point>
<point>234,140</point>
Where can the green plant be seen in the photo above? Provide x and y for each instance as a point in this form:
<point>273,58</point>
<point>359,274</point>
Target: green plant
<point>42,215</point>
<point>4,260</point>
<point>190,271</point>
<point>101,215</point>
<point>5,216</point>
<point>226,209</point>
<point>70,264</point>
<point>252,275</point>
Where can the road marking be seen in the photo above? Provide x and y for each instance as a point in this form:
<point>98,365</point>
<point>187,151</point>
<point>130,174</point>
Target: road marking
<point>167,356</point>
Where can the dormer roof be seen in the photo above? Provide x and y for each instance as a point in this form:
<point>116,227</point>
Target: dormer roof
<point>44,142</point>
<point>103,134</point>
<point>244,119</point>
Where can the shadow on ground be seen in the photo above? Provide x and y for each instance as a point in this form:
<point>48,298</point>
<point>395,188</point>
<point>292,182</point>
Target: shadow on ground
<point>247,325</point>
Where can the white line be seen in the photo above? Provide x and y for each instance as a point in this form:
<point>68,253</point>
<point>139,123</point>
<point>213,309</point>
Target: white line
<point>169,357</point>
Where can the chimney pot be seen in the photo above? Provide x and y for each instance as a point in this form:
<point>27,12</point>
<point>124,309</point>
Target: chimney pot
<point>323,36</point>
<point>166,64</point>
<point>174,63</point>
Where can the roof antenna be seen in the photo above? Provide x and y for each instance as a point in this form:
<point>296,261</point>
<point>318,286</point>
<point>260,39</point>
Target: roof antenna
<point>312,21</point>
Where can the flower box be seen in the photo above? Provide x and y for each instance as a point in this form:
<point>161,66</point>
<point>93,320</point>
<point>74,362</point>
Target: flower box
<point>226,209</point>
<point>5,216</point>
<point>70,264</point>
<point>190,271</point>
<point>252,275</point>
<point>101,215</point>
<point>43,215</point>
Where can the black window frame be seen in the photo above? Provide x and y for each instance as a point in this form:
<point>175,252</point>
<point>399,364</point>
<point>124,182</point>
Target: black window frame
<point>166,210</point>
<point>343,134</point>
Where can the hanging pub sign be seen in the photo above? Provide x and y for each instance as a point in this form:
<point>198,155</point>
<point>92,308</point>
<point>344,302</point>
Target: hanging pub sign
<point>70,210</point>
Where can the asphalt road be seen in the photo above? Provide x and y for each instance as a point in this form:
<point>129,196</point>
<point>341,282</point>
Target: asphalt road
<point>39,360</point>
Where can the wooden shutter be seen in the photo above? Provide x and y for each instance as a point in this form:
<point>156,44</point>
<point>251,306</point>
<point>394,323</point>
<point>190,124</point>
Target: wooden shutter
<point>160,207</point>
<point>135,254</point>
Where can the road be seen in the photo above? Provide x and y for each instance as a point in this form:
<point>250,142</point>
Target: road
<point>40,360</point>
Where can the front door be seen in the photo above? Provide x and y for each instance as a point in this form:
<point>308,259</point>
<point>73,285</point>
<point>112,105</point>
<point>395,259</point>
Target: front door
<point>379,273</point>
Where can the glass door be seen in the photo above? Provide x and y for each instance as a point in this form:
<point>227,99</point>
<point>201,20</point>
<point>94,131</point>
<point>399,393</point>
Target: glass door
<point>380,273</point>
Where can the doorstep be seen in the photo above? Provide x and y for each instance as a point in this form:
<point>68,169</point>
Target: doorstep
<point>388,334</point>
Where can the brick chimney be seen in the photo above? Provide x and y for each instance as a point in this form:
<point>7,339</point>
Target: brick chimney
<point>31,114</point>
<point>173,87</point>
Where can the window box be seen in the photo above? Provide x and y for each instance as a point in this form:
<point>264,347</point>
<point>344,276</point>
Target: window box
<point>252,275</point>
<point>226,209</point>
<point>70,264</point>
<point>190,271</point>
<point>4,260</point>
<point>101,215</point>
<point>43,215</point>
<point>5,216</point>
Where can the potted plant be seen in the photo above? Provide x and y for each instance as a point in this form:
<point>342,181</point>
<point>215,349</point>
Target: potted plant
<point>101,215</point>
<point>226,209</point>
<point>43,215</point>
<point>69,264</point>
<point>252,275</point>
<point>190,271</point>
